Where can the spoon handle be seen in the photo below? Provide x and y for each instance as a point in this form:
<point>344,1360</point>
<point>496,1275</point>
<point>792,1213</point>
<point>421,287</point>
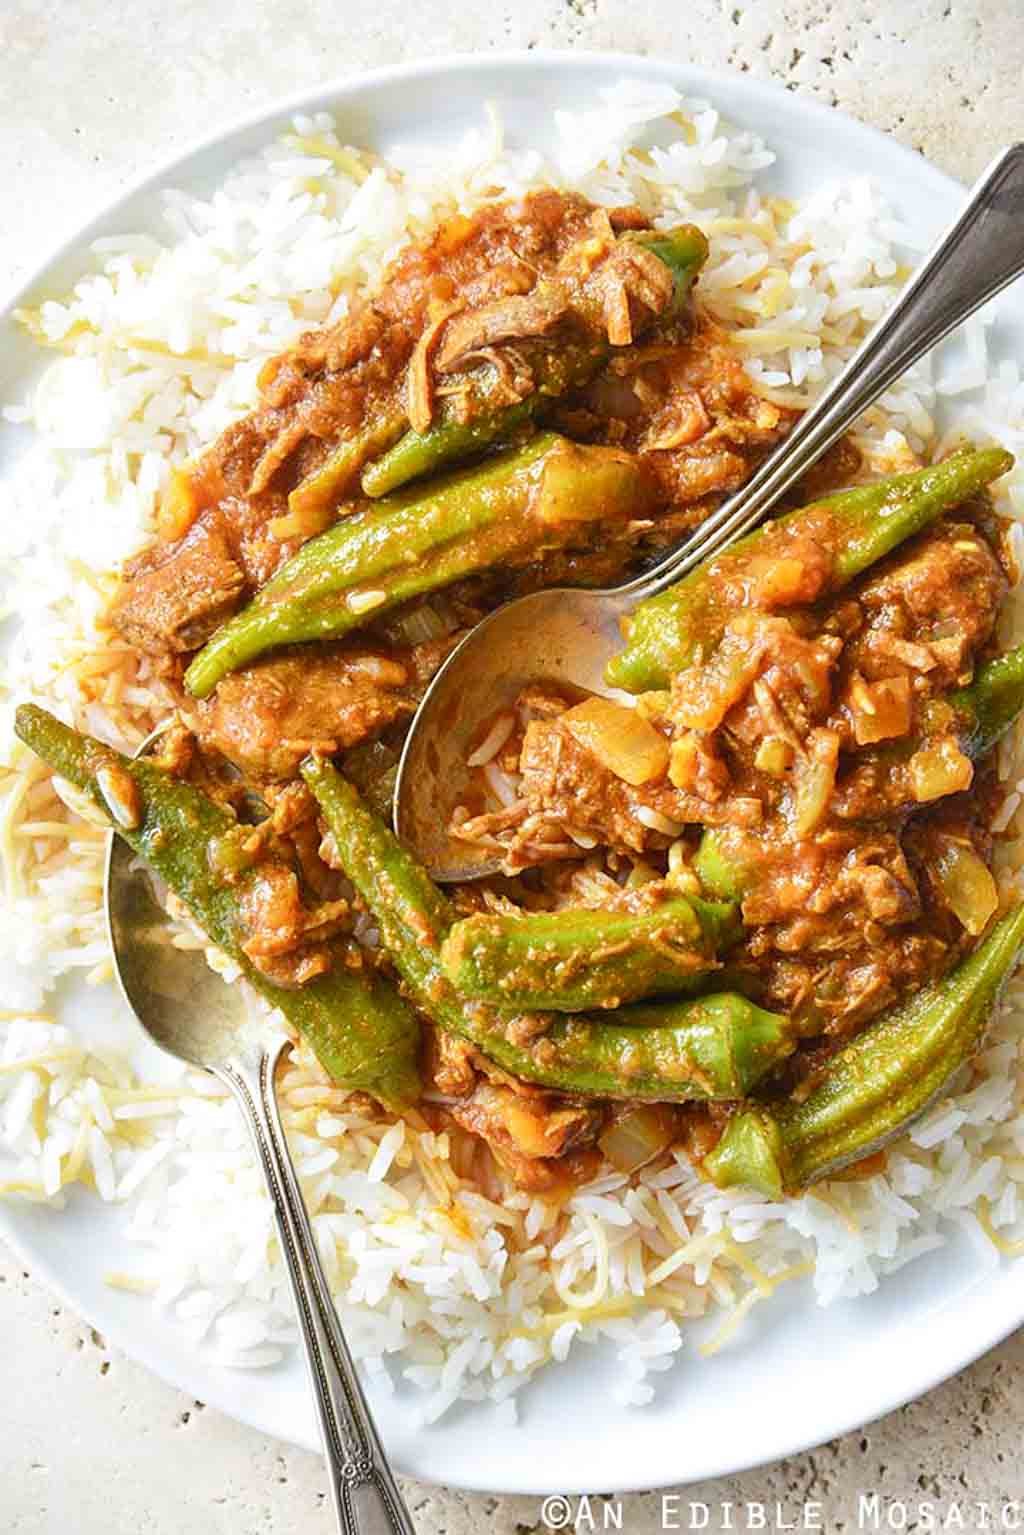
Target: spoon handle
<point>363,1489</point>
<point>976,257</point>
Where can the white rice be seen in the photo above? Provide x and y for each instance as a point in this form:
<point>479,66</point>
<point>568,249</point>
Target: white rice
<point>464,1297</point>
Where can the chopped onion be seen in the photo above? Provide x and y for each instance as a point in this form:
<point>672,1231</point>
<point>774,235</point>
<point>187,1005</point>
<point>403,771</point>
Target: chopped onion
<point>642,873</point>
<point>682,762</point>
<point>493,741</point>
<point>680,875</point>
<point>704,694</point>
<point>628,745</point>
<point>637,1137</point>
<point>967,885</point>
<point>363,602</point>
<point>778,583</point>
<point>304,524</point>
<point>816,782</point>
<point>655,821</point>
<point>815,682</point>
<point>504,789</point>
<point>585,842</point>
<point>385,673</point>
<point>533,1132</point>
<point>939,770</point>
<point>422,624</point>
<point>653,705</point>
<point>774,757</point>
<point>880,710</point>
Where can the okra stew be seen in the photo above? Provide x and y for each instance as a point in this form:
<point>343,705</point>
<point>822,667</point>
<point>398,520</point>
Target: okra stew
<point>754,913</point>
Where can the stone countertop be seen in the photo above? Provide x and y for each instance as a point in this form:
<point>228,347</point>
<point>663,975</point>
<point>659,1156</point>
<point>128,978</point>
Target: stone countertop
<point>91,93</point>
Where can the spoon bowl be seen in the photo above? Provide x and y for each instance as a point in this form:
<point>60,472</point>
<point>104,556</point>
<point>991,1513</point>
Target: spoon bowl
<point>562,636</point>
<point>184,1005</point>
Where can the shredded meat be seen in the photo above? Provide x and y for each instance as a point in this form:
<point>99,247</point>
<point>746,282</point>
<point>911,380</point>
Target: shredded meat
<point>174,598</point>
<point>175,750</point>
<point>450,1064</point>
<point>527,1132</point>
<point>930,608</point>
<point>569,786</point>
<point>267,717</point>
<point>798,739</point>
<point>632,276</point>
<point>484,290</point>
<point>684,402</point>
<point>284,940</point>
<point>505,319</point>
<point>421,373</point>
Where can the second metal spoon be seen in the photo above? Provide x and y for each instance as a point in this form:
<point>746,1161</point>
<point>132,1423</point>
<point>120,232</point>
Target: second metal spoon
<point>193,1014</point>
<point>568,635</point>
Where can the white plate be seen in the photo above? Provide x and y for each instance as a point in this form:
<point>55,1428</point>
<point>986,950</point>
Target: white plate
<point>796,1375</point>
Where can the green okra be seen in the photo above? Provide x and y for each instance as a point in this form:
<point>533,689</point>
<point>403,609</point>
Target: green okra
<point>327,485</point>
<point>373,768</point>
<point>360,1029</point>
<point>985,709</point>
<point>557,370</point>
<point>572,960</point>
<point>712,1047</point>
<point>416,455</point>
<point>855,528</point>
<point>514,507</point>
<point>719,864</point>
<point>879,1084</point>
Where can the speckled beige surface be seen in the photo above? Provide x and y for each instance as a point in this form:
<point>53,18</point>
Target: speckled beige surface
<point>91,92</point>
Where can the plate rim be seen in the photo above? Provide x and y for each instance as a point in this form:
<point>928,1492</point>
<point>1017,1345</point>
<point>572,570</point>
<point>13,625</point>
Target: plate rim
<point>458,62</point>
<point>690,76</point>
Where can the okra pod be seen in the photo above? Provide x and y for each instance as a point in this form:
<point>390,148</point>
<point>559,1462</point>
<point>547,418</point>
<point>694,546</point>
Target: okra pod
<point>879,1084</point>
<point>360,1029</point>
<point>829,542</point>
<point>713,1047</point>
<point>514,507</point>
<point>328,485</point>
<point>718,1046</point>
<point>557,369</point>
<point>449,440</point>
<point>724,873</point>
<point>572,960</point>
<point>986,708</point>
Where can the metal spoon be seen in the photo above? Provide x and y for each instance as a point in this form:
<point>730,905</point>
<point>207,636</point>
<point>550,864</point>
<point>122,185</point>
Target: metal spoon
<point>193,1014</point>
<point>567,635</point>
